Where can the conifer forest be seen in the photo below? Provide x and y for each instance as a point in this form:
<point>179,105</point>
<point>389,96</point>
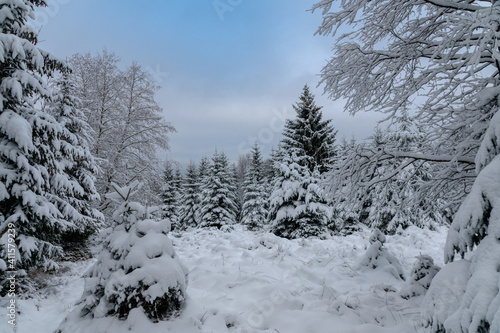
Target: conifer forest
<point>103,229</point>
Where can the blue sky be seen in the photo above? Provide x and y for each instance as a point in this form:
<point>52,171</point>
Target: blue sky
<point>229,70</point>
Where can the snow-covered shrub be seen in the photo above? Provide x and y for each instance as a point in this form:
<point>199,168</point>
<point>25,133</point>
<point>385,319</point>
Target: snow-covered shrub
<point>444,295</point>
<point>422,273</point>
<point>476,226</point>
<point>377,256</point>
<point>137,269</point>
<point>345,221</point>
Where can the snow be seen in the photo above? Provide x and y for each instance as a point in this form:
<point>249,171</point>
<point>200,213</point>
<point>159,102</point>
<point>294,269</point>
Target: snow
<point>445,293</point>
<point>489,145</point>
<point>249,282</point>
<point>16,128</point>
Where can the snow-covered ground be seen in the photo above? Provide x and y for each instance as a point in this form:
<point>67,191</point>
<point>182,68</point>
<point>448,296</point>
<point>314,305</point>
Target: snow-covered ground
<point>242,281</point>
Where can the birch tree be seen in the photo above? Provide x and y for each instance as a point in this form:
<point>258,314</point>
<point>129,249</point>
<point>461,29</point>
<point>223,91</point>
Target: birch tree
<point>128,123</point>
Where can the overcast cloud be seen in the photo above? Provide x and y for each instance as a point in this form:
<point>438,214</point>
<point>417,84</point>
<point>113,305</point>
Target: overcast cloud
<point>229,70</point>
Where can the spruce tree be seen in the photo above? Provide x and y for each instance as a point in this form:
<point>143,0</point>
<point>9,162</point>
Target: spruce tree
<point>137,271</point>
<point>238,190</point>
<point>30,141</point>
<point>346,213</point>
<point>313,137</point>
<point>298,207</point>
<point>394,203</point>
<point>170,195</point>
<point>188,217</point>
<point>254,212</point>
<point>218,207</point>
<point>72,188</point>
<point>203,172</point>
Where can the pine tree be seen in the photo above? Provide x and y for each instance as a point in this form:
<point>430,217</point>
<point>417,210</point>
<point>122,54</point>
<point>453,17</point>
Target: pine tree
<point>218,207</point>
<point>188,217</point>
<point>29,144</point>
<point>72,188</point>
<point>298,207</point>
<point>137,270</point>
<point>313,137</point>
<point>254,212</point>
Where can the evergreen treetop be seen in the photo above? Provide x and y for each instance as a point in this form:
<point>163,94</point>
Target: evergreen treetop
<point>309,134</point>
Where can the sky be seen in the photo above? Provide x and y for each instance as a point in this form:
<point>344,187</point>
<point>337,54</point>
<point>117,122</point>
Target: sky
<point>229,70</point>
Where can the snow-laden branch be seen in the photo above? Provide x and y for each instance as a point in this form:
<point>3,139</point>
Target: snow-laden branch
<point>454,5</point>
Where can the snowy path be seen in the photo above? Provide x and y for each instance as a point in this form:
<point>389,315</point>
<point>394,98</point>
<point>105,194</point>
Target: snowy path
<point>247,282</point>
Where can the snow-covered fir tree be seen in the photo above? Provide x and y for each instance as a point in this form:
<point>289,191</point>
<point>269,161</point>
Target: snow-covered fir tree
<point>298,207</point>
<point>237,186</point>
<point>254,212</point>
<point>36,190</point>
<point>377,256</point>
<point>395,202</point>
<point>170,194</point>
<point>218,207</point>
<point>203,172</point>
<point>137,272</point>
<point>346,215</point>
<point>187,216</point>
<point>387,210</point>
<point>73,187</point>
<point>386,191</point>
<point>422,273</point>
<point>308,132</point>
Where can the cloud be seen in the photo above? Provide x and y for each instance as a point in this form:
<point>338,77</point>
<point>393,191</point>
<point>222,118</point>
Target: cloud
<point>229,81</point>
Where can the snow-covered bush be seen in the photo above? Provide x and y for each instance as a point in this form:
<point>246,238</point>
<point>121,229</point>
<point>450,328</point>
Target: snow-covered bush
<point>345,221</point>
<point>444,295</point>
<point>422,273</point>
<point>377,256</point>
<point>477,224</point>
<point>137,269</point>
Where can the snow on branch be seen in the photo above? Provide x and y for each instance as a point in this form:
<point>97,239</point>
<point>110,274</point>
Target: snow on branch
<point>454,5</point>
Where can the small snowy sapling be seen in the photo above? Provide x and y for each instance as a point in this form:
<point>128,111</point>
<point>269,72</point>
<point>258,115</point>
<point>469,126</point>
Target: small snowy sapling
<point>422,273</point>
<point>377,256</point>
<point>138,269</point>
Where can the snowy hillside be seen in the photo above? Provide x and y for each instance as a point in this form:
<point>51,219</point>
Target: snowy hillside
<point>243,281</point>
